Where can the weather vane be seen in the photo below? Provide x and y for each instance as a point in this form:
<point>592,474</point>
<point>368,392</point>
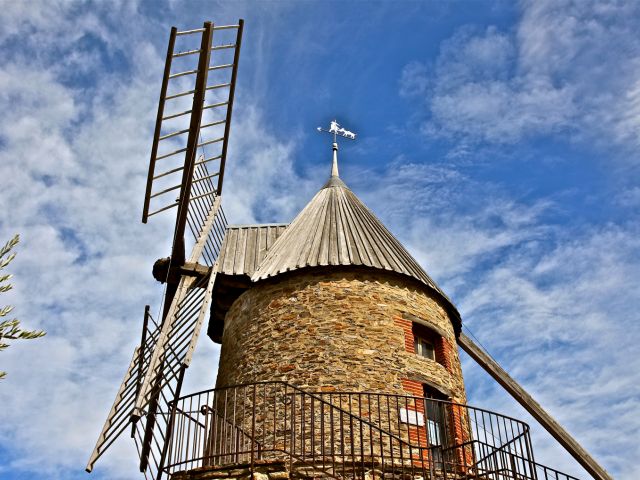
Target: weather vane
<point>336,130</point>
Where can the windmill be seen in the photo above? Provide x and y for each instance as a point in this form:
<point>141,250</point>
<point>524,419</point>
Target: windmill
<point>334,230</point>
<point>194,115</point>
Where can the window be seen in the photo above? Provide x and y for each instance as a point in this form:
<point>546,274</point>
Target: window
<point>425,348</point>
<point>425,341</point>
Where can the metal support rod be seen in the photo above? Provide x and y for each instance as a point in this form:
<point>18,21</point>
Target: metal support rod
<point>188,32</point>
<point>534,408</point>
<point>225,27</point>
<point>232,91</point>
<point>156,133</point>
<point>155,212</point>
<point>170,154</point>
<point>181,74</point>
<point>176,115</point>
<point>218,67</point>
<point>219,85</point>
<point>184,54</point>
<point>209,142</point>
<point>215,105</point>
<point>223,47</point>
<point>181,94</point>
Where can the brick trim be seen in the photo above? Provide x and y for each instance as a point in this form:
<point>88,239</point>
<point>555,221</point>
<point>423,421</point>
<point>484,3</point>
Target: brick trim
<point>426,323</point>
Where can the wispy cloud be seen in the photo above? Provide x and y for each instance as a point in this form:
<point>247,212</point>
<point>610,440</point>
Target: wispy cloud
<point>551,302</point>
<point>73,159</point>
<point>568,67</point>
<point>453,224</point>
<point>562,320</point>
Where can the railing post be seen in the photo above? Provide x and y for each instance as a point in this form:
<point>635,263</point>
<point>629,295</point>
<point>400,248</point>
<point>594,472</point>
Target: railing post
<point>293,430</point>
<point>532,461</point>
<point>514,469</point>
<point>253,429</point>
<point>432,470</point>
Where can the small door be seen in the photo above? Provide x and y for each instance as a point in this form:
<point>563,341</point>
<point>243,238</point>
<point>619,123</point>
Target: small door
<point>435,420</point>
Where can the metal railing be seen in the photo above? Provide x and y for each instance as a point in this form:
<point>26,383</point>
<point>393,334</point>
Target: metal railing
<point>348,435</point>
<point>461,438</point>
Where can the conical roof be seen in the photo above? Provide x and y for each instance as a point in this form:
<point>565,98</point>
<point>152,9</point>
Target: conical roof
<point>337,229</point>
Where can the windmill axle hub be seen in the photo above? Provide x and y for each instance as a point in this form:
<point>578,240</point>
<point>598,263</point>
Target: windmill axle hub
<point>164,272</point>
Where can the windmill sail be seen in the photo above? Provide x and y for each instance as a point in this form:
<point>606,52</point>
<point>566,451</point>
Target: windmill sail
<point>154,375</point>
<point>174,348</point>
<point>194,170</point>
<point>204,124</point>
<point>120,413</point>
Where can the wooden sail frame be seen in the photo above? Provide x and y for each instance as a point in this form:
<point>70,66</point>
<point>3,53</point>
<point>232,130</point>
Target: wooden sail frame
<point>155,374</point>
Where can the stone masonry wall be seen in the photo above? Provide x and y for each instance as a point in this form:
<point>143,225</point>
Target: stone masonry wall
<point>329,330</point>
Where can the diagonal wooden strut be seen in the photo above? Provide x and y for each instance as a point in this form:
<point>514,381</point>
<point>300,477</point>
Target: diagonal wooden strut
<point>534,408</point>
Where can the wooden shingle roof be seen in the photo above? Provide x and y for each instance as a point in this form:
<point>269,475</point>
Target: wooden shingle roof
<point>336,228</point>
<point>245,246</point>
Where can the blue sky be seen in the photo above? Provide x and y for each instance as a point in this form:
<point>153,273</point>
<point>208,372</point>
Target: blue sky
<point>498,140</point>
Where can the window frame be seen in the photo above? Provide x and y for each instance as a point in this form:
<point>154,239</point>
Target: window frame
<point>419,343</point>
<point>423,334</point>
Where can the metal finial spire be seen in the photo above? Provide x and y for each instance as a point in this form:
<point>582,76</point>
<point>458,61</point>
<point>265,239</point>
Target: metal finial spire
<point>335,129</point>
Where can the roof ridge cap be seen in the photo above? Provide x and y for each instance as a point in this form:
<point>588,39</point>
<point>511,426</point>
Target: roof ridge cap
<point>334,181</point>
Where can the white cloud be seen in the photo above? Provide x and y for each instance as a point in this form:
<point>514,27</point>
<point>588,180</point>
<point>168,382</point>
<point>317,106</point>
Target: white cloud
<point>629,197</point>
<point>262,181</point>
<point>551,303</point>
<point>570,67</point>
<point>73,163</point>
<point>451,222</point>
<point>414,79</point>
<point>499,112</point>
<point>573,297</point>
<point>76,164</point>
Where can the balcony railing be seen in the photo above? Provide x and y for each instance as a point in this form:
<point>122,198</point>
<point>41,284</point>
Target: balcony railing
<point>348,435</point>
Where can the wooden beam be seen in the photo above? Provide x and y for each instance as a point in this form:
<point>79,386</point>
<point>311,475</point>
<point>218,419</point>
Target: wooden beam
<point>534,408</point>
<point>178,252</point>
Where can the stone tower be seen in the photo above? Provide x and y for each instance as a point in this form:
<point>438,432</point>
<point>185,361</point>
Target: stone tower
<point>339,360</point>
<point>333,302</point>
